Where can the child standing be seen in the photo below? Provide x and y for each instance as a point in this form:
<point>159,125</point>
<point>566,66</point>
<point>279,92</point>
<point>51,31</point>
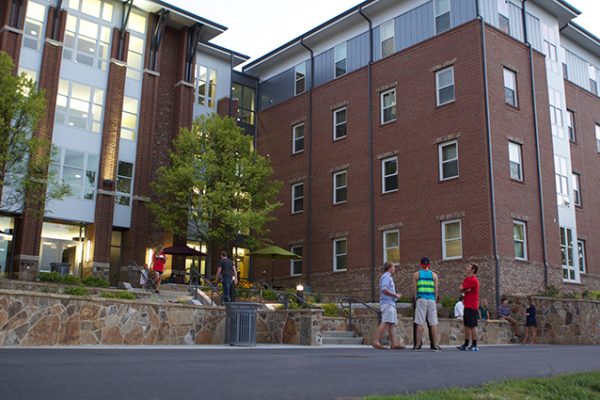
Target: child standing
<point>530,322</point>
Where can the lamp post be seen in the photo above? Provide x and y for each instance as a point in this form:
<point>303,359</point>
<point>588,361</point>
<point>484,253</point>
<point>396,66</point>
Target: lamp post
<point>300,291</point>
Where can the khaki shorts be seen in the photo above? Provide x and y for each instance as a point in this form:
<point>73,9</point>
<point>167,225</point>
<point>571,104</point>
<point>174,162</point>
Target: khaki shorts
<point>426,312</point>
<point>388,314</point>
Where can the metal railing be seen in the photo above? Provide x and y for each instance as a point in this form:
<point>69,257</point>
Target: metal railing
<point>284,297</point>
<point>350,301</point>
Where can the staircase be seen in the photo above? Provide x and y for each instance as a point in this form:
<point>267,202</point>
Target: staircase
<point>340,338</point>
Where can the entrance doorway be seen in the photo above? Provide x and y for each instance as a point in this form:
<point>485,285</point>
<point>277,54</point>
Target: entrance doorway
<point>61,243</point>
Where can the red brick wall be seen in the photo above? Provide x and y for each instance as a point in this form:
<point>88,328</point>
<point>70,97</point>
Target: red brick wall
<point>10,42</point>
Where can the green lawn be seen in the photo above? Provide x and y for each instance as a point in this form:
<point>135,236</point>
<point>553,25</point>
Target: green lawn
<point>584,386</point>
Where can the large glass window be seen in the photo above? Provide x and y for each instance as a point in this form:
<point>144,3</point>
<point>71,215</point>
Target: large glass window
<point>340,187</point>
<point>389,175</point>
<point>391,246</point>
<point>577,189</point>
<point>297,197</point>
<point>79,105</point>
<point>246,103</point>
<point>206,86</point>
<point>562,181</point>
<point>515,160</point>
<point>296,265</point>
<point>571,126</point>
<point>340,59</point>
<point>124,183</point>
<point>520,239</point>
<point>451,239</point>
<point>510,87</point>
<point>387,38</point>
<point>442,16</point>
<point>129,118</point>
<point>135,54</point>
<point>598,138</point>
<point>340,254</point>
<point>444,81</point>
<point>340,124</point>
<point>76,169</point>
<point>581,253</point>
<point>556,116</point>
<point>566,251</point>
<point>300,79</point>
<point>448,156</point>
<point>388,106</point>
<point>297,138</point>
<point>33,30</point>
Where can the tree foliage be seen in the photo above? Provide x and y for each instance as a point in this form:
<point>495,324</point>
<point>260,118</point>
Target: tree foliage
<point>217,187</point>
<point>24,158</point>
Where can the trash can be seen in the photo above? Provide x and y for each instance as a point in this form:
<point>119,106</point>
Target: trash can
<point>240,324</point>
<point>62,268</point>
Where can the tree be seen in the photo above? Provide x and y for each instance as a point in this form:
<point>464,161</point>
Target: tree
<point>216,187</point>
<point>24,158</point>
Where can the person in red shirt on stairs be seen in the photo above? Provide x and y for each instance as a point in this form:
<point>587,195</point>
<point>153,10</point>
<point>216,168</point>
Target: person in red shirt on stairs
<point>470,288</point>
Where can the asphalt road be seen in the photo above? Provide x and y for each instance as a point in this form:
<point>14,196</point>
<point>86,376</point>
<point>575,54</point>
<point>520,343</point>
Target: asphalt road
<point>269,372</point>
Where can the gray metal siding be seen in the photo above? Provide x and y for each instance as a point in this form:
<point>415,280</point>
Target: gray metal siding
<point>324,67</point>
<point>358,51</point>
<point>416,25</point>
<point>534,31</point>
<point>488,9</point>
<point>516,21</point>
<point>376,44</point>
<point>578,72</point>
<point>461,11</point>
<point>277,89</point>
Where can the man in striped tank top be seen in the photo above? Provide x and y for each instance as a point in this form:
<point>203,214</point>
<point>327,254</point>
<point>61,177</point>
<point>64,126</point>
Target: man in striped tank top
<point>426,289</point>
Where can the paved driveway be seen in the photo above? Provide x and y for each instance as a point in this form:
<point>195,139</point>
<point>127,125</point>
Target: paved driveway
<point>268,372</point>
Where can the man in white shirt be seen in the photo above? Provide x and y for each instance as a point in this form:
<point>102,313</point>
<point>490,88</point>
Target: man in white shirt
<point>459,308</point>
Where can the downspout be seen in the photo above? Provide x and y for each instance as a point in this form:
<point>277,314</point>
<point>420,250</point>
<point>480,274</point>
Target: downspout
<point>370,149</point>
<point>537,144</point>
<point>231,86</point>
<point>490,159</point>
<point>308,179</point>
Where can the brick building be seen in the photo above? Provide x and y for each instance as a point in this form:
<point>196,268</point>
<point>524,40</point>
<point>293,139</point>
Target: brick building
<point>463,130</point>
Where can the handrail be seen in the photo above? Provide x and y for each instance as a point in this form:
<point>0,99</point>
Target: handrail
<point>351,300</point>
<point>283,296</point>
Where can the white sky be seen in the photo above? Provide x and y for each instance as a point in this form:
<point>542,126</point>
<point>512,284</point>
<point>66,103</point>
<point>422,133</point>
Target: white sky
<point>255,27</point>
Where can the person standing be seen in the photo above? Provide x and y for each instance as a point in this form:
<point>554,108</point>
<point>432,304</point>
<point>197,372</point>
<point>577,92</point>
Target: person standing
<point>459,308</point>
<point>426,290</point>
<point>530,322</point>
<point>387,303</point>
<point>158,266</point>
<point>470,288</point>
<point>228,272</point>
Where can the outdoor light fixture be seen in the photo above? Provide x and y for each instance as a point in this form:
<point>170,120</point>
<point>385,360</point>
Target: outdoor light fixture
<point>300,291</point>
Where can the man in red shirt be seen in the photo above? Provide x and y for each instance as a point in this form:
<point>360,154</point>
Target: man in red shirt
<point>470,288</point>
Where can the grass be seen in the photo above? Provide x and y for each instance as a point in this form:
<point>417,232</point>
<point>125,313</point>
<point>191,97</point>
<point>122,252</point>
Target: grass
<point>582,386</point>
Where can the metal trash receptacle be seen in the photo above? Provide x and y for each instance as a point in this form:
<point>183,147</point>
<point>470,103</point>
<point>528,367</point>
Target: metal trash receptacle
<point>240,324</point>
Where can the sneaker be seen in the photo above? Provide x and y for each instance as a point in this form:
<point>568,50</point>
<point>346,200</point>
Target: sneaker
<point>462,348</point>
<point>417,348</point>
<point>436,348</point>
<point>473,348</point>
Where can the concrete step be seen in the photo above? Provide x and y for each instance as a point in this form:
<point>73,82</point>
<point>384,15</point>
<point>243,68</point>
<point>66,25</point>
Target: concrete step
<point>347,341</point>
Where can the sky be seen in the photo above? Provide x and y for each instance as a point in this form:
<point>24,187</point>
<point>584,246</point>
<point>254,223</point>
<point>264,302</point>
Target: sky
<point>255,27</point>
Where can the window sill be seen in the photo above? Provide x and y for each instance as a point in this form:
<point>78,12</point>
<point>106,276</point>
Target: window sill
<point>522,260</point>
<point>297,153</point>
<point>340,203</point>
<point>340,138</point>
<point>454,178</point>
<point>340,270</point>
<point>382,123</point>
<point>451,259</point>
<point>390,192</point>
<point>297,212</point>
<point>512,107</point>
<point>438,106</point>
<point>520,182</point>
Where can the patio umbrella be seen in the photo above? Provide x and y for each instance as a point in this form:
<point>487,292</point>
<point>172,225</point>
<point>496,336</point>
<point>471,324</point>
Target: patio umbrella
<point>275,252</point>
<point>185,251</point>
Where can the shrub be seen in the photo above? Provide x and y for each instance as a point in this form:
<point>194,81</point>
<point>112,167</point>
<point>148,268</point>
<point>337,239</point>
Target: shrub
<point>71,280</point>
<point>119,295</point>
<point>77,291</point>
<point>318,297</point>
<point>448,303</point>
<point>404,299</point>
<point>269,294</point>
<point>550,291</point>
<point>94,281</point>
<point>52,277</point>
<point>330,310</point>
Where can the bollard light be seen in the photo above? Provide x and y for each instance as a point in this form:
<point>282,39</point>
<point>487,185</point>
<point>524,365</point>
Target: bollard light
<point>300,291</point>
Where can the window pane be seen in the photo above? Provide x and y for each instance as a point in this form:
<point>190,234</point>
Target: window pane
<point>442,23</point>
<point>91,7</point>
<point>454,248</point>
<point>125,169</point>
<point>446,94</point>
<point>452,230</point>
<point>74,158</point>
<point>449,152</point>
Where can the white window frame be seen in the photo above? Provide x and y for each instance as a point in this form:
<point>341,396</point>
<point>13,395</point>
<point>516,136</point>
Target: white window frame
<point>439,13</point>
<point>34,29</point>
<point>297,198</point>
<point>439,87</point>
<point>598,137</point>
<point>386,245</point>
<point>93,115</point>
<point>510,87</point>
<point>299,78</point>
<point>445,240</point>
<point>339,123</point>
<point>556,115</point>
<point>136,26</point>
<point>570,273</point>
<point>129,118</point>
<point>336,255</point>
<point>342,188</point>
<point>515,157</point>
<point>387,34</point>
<point>297,137</point>
<point>206,86</point>
<point>561,175</point>
<point>294,262</point>
<point>577,198</point>
<point>340,57</point>
<point>123,198</point>
<point>523,227</point>
<point>441,147</point>
<point>86,189</point>
<point>384,176</point>
<point>581,256</point>
<point>571,126</point>
<point>383,95</point>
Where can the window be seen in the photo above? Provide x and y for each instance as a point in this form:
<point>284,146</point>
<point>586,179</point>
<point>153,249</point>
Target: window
<point>592,74</point>
<point>565,71</point>
<point>504,24</point>
<point>562,181</point>
<point>451,239</point>
<point>444,81</point>
<point>135,54</point>
<point>340,59</point>
<point>388,106</point>
<point>551,55</point>
<point>448,156</point>
<point>76,169</point>
<point>571,126</point>
<point>566,251</point>
<point>556,116</point>
<point>129,118</point>
<point>391,246</point>
<point>577,189</point>
<point>299,79</point>
<point>246,103</point>
<point>514,155</point>
<point>340,254</point>
<point>442,16</point>
<point>79,105</point>
<point>88,33</point>
<point>340,187</point>
<point>581,253</point>
<point>297,138</point>
<point>297,197</point>
<point>34,23</point>
<point>510,87</point>
<point>206,86</point>
<point>598,137</point>
<point>296,265</point>
<point>389,175</point>
<point>387,38</point>
<point>340,124</point>
<point>520,239</point>
<point>124,186</point>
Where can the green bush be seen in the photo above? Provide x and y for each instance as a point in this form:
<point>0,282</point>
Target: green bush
<point>330,310</point>
<point>52,277</point>
<point>404,299</point>
<point>71,280</point>
<point>269,294</point>
<point>318,297</point>
<point>94,281</point>
<point>591,294</point>
<point>550,291</point>
<point>448,303</point>
<point>77,291</point>
<point>119,295</point>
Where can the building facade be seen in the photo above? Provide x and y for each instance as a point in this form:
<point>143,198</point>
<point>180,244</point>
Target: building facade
<point>121,78</point>
<point>462,130</point>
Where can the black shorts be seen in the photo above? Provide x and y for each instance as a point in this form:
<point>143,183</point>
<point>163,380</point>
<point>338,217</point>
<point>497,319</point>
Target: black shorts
<point>470,317</point>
